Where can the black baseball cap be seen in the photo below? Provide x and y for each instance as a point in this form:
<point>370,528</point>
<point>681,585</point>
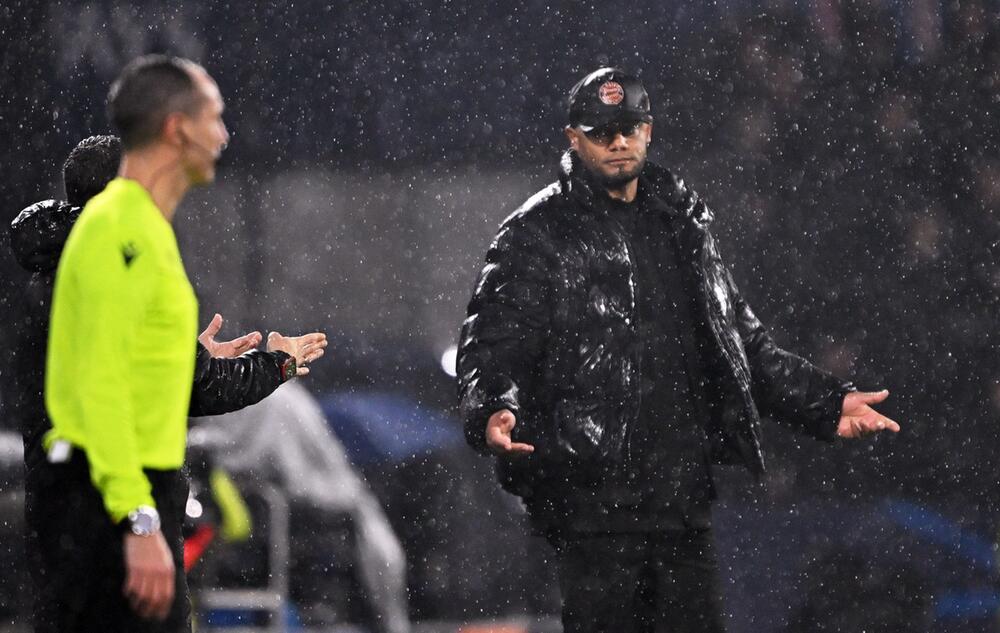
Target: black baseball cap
<point>608,95</point>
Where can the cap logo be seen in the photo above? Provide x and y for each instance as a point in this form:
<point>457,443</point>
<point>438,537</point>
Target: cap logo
<point>611,93</point>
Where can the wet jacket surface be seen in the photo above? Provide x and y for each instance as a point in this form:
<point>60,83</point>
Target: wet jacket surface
<point>37,234</point>
<point>551,334</point>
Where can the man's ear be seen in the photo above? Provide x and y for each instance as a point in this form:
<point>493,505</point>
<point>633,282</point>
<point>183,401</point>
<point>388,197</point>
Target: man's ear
<point>571,136</point>
<point>172,132</point>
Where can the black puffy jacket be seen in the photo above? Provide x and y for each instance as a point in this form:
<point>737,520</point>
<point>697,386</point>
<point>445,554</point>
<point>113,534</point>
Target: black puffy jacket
<point>551,335</point>
<point>37,236</point>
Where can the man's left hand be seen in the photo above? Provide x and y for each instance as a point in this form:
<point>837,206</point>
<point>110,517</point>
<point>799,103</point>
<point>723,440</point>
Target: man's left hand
<point>858,419</point>
<point>227,349</point>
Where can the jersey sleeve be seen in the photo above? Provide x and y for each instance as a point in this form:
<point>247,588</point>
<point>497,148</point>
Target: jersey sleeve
<point>113,274</point>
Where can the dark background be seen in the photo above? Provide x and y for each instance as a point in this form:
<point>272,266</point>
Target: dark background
<point>848,148</point>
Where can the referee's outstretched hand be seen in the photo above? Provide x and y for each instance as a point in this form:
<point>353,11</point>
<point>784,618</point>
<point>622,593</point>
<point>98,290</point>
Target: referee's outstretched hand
<point>149,575</point>
<point>498,430</point>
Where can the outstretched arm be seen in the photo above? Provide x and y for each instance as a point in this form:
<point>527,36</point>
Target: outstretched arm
<point>503,336</point>
<point>796,391</point>
<point>223,385</point>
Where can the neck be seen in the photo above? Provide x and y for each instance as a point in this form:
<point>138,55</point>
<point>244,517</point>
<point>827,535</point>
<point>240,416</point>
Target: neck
<point>160,172</point>
<point>625,192</point>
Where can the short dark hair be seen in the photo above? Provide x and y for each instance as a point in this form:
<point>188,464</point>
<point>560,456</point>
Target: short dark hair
<point>91,165</point>
<point>148,89</point>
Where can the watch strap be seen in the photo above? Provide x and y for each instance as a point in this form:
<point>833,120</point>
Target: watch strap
<point>289,369</point>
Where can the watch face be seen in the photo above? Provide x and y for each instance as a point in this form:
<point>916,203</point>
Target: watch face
<point>144,521</point>
<point>142,525</point>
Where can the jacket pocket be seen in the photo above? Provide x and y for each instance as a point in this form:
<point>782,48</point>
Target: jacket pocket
<point>589,433</point>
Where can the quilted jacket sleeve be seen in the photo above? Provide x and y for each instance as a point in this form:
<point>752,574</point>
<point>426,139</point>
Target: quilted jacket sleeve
<point>504,333</point>
<point>785,386</point>
<point>223,385</point>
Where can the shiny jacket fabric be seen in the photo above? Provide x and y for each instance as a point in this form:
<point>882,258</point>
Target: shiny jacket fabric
<point>551,335</point>
<point>37,236</point>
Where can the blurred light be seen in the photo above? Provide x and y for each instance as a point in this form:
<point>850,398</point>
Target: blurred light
<point>194,508</point>
<point>448,360</point>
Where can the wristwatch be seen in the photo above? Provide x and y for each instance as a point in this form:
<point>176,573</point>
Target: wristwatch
<point>144,521</point>
<point>289,368</point>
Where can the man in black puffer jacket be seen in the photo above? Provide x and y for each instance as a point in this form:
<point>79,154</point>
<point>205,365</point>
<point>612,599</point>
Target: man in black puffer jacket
<point>608,359</point>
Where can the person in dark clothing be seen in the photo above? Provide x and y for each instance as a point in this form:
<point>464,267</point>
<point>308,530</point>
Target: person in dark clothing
<point>608,360</point>
<point>228,376</point>
<point>90,166</point>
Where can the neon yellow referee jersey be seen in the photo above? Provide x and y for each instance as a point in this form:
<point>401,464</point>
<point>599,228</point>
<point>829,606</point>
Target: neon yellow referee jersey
<point>121,349</point>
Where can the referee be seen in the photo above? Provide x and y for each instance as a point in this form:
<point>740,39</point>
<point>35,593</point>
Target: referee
<point>120,366</point>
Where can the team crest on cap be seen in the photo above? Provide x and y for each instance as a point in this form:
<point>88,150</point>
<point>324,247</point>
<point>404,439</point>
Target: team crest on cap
<point>611,93</point>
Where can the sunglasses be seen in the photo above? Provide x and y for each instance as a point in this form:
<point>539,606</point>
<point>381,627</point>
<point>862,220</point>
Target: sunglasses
<point>604,134</point>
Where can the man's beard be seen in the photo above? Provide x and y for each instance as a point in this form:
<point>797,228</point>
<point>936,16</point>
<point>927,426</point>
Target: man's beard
<point>621,178</point>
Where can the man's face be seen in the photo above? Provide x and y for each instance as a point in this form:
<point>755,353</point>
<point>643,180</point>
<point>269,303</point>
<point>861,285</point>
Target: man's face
<point>204,135</point>
<point>615,154</point>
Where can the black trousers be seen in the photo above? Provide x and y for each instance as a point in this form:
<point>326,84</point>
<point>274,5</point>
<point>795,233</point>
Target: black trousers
<point>76,554</point>
<point>642,583</point>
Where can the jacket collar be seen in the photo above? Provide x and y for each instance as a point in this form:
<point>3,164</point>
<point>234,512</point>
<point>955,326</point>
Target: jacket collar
<point>664,192</point>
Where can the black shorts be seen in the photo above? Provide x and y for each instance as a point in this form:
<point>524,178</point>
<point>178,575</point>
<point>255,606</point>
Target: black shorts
<point>76,556</point>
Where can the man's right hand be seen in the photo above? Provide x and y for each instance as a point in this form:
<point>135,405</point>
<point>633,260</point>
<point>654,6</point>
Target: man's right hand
<point>498,431</point>
<point>304,349</point>
<point>149,575</point>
